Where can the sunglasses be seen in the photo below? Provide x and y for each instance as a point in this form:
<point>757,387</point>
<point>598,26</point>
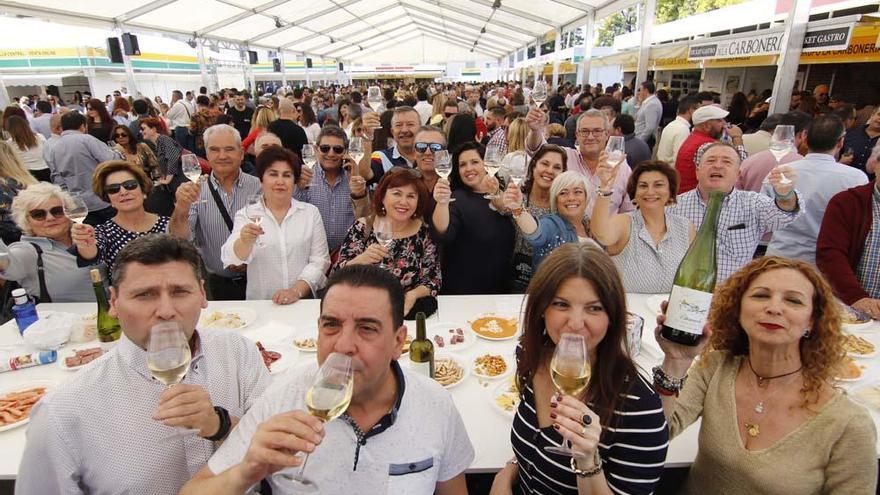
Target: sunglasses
<point>40,215</point>
<point>129,185</point>
<point>435,147</point>
<point>325,148</point>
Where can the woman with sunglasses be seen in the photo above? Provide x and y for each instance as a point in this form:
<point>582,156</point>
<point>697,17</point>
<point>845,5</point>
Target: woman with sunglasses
<point>136,153</point>
<point>125,187</point>
<point>38,210</point>
<point>469,226</point>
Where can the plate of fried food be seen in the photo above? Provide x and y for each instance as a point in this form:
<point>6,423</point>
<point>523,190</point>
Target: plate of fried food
<point>450,337</point>
<point>17,401</point>
<point>858,347</point>
<point>277,356</point>
<point>449,371</point>
<point>853,319</point>
<point>491,366</point>
<point>229,319</point>
<point>72,358</point>
<point>306,338</point>
<point>849,371</point>
<point>494,327</point>
<point>505,397</point>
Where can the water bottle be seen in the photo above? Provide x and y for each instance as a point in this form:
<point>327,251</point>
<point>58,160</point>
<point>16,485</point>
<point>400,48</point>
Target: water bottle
<point>24,311</point>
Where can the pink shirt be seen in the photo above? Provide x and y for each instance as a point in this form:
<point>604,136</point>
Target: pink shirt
<point>620,200</point>
<point>757,167</point>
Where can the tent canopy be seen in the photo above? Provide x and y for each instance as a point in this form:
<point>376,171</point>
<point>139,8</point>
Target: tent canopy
<point>359,30</point>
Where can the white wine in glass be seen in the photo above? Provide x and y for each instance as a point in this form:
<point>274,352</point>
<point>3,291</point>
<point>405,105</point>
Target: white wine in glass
<point>570,372</point>
<point>309,156</point>
<point>539,92</point>
<point>492,162</point>
<point>374,97</point>
<point>168,358</point>
<point>189,165</point>
<point>76,209</point>
<point>356,150</point>
<point>781,144</point>
<point>443,166</point>
<point>328,397</point>
<point>615,150</point>
<point>516,166</point>
<point>254,211</point>
<point>384,231</point>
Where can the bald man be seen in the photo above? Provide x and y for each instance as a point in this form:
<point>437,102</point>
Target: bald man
<point>292,136</point>
<point>265,140</point>
<point>820,92</point>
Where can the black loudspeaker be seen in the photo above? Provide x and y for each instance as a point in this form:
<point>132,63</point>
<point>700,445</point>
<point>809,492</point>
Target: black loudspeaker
<point>252,57</point>
<point>114,52</point>
<point>308,63</point>
<point>341,67</point>
<point>130,44</point>
<point>276,65</point>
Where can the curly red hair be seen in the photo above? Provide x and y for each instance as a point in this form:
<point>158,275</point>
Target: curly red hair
<point>821,354</point>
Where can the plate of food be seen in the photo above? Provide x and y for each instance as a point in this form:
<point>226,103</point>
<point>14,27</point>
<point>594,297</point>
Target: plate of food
<point>72,358</point>
<point>505,397</point>
<point>850,371</point>
<point>491,366</point>
<point>867,395</point>
<point>449,371</point>
<point>450,337</point>
<point>306,338</point>
<point>17,401</point>
<point>654,302</point>
<point>229,319</point>
<point>853,319</point>
<point>494,327</point>
<point>277,356</point>
<point>858,347</point>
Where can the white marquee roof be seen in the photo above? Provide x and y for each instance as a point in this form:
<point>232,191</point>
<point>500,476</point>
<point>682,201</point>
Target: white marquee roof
<point>361,30</point>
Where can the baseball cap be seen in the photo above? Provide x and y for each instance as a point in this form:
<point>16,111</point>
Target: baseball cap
<point>709,112</point>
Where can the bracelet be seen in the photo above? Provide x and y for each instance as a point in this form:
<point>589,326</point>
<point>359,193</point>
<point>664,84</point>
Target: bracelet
<point>225,425</point>
<point>662,381</point>
<point>605,194</point>
<point>783,197</point>
<point>588,473</point>
<point>358,197</point>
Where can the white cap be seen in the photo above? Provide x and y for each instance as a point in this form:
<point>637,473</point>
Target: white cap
<point>709,112</point>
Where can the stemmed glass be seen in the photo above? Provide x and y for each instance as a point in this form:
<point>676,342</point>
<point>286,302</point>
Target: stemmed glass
<point>384,231</point>
<point>189,164</point>
<point>492,162</point>
<point>443,166</point>
<point>309,156</point>
<point>76,209</point>
<point>516,166</point>
<point>570,371</point>
<point>615,149</point>
<point>781,144</point>
<point>326,400</point>
<point>356,150</point>
<point>168,358</point>
<point>539,92</point>
<point>374,98</point>
<point>254,211</point>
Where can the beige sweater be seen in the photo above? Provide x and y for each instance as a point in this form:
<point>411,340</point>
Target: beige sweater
<point>833,453</point>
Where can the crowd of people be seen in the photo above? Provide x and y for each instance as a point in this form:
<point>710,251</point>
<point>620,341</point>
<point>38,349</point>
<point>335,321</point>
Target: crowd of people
<point>377,208</point>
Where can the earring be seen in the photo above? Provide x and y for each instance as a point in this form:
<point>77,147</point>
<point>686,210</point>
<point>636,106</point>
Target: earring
<point>808,333</point>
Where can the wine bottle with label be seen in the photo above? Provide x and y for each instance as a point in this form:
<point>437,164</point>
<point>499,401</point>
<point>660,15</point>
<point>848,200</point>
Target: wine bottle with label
<point>421,350</point>
<point>694,282</point>
<point>108,326</point>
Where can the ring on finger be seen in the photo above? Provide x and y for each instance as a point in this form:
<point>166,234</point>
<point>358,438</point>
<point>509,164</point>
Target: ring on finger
<point>586,420</point>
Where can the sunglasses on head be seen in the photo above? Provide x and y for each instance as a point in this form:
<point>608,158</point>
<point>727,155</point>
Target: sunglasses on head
<point>40,215</point>
<point>435,147</point>
<point>403,170</point>
<point>325,148</point>
<point>129,185</point>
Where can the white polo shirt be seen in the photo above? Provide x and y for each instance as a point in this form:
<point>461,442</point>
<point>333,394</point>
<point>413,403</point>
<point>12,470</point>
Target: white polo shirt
<point>420,442</point>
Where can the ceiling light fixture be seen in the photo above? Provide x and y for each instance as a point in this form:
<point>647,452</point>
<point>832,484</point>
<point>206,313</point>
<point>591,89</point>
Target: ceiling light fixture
<point>192,43</point>
<point>497,4</point>
<point>332,40</point>
<point>278,23</point>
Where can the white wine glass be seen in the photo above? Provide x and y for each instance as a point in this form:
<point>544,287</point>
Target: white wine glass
<point>309,156</point>
<point>443,166</point>
<point>570,372</point>
<point>326,400</point>
<point>168,358</point>
<point>492,163</point>
<point>76,209</point>
<point>374,98</point>
<point>539,92</point>
<point>781,144</point>
<point>356,150</point>
<point>254,211</point>
<point>384,231</point>
<point>516,166</point>
<point>615,149</point>
<point>189,165</point>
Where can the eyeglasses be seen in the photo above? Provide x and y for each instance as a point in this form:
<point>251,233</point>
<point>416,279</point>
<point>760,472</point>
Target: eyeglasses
<point>40,215</point>
<point>129,185</point>
<point>325,148</point>
<point>422,147</point>
<point>587,132</point>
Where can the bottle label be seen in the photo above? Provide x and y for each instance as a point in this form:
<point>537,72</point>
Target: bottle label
<point>422,368</point>
<point>688,309</point>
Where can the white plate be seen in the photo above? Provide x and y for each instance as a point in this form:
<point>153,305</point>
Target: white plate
<point>493,315</point>
<point>70,350</point>
<point>864,356</point>
<point>464,368</point>
<point>858,327</point>
<point>499,390</point>
<point>306,332</point>
<point>507,360</point>
<point>653,302</point>
<point>20,387</point>
<point>442,329</point>
<point>247,314</point>
<point>289,354</point>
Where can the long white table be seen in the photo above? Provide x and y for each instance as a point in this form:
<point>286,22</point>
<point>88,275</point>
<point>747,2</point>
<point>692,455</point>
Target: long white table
<point>489,429</point>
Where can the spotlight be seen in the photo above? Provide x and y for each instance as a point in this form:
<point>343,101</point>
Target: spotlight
<point>332,40</point>
<point>278,23</point>
<point>192,43</point>
<point>497,4</point>
<point>483,30</point>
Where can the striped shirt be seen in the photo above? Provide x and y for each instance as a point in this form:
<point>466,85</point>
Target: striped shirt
<point>867,271</point>
<point>648,267</point>
<point>633,451</point>
<point>207,229</point>
<point>745,217</point>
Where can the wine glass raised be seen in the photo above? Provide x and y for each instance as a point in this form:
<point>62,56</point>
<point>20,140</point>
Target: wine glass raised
<point>570,372</point>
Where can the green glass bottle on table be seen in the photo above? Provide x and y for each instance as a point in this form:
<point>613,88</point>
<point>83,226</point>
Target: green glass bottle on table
<point>694,282</point>
<point>108,326</point>
<point>421,350</point>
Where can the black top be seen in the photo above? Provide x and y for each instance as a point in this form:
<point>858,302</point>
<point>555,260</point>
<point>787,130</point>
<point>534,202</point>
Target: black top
<point>633,451</point>
<point>292,136</point>
<point>241,120</point>
<point>477,247</point>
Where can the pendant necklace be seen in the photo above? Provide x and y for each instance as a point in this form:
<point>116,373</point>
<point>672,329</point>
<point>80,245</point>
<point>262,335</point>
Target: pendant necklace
<point>752,428</point>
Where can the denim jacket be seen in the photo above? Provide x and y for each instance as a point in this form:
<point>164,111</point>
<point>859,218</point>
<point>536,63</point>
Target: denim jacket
<point>553,231</point>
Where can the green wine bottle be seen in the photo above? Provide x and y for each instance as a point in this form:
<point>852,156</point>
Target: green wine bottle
<point>421,350</point>
<point>108,326</point>
<point>694,282</point>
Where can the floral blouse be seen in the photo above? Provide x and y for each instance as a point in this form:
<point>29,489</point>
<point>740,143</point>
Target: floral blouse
<point>413,260</point>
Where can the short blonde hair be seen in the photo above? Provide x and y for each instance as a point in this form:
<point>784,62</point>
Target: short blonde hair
<point>32,197</point>
<point>264,117</point>
<point>566,180</point>
<point>109,167</point>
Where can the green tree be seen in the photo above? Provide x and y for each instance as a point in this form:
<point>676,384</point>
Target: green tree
<point>625,21</point>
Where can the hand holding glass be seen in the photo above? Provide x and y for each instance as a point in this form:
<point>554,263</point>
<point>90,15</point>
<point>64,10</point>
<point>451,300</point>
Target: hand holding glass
<point>570,372</point>
<point>168,358</point>
<point>189,164</point>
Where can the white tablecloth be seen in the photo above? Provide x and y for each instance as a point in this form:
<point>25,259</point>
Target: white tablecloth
<point>488,428</point>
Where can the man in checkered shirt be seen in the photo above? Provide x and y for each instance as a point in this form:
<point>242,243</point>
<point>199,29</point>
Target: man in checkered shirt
<point>745,215</point>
